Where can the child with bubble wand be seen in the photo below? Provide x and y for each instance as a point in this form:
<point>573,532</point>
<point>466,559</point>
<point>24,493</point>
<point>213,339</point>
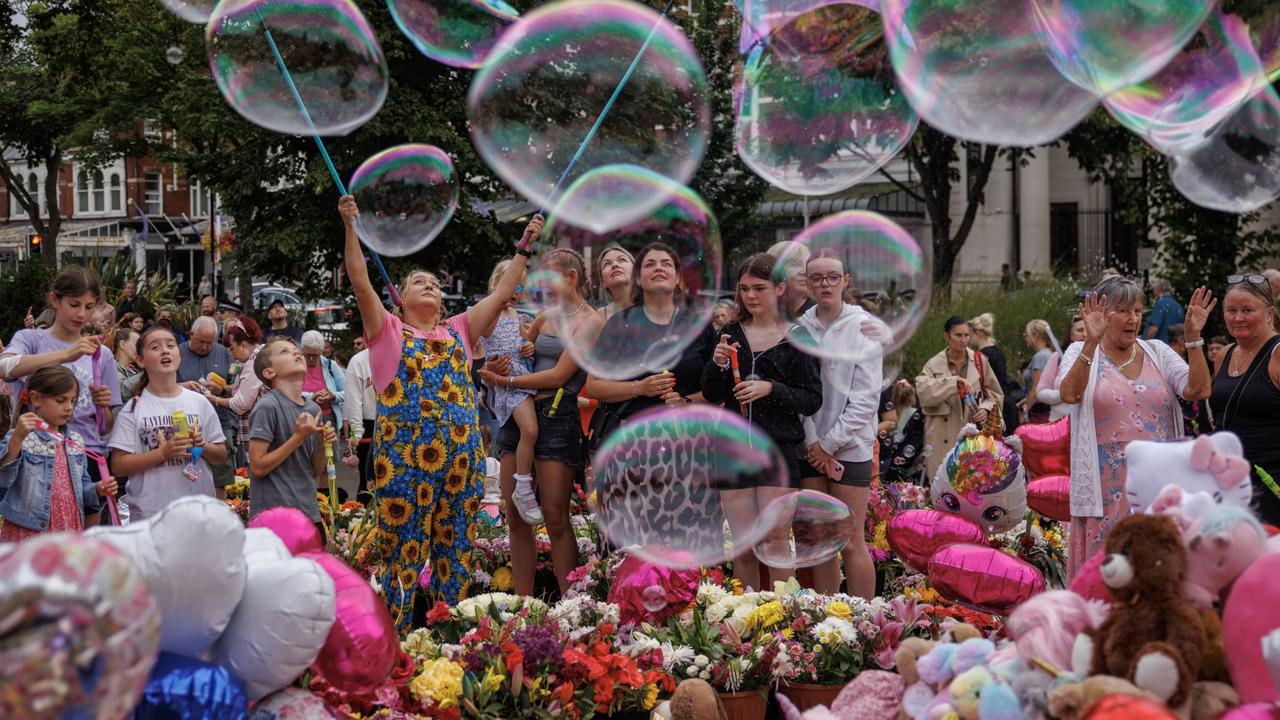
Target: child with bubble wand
<point>426,454</point>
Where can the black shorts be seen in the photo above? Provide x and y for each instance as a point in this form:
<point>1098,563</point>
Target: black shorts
<point>792,455</point>
<point>559,436</point>
<point>856,474</point>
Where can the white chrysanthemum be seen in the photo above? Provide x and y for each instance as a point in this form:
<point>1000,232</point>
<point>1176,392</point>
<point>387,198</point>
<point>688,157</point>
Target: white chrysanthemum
<point>702,661</point>
<point>673,655</point>
<point>716,614</point>
<point>834,630</point>
<point>709,593</point>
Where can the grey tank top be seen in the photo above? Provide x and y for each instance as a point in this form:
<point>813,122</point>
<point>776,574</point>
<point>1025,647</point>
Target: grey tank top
<point>546,353</point>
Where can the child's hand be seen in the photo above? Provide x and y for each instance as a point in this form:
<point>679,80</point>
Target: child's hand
<point>657,385</point>
<point>531,232</point>
<point>197,438</point>
<point>101,395</point>
<point>107,487</point>
<point>348,210</point>
<point>172,447</point>
<point>526,350</point>
<point>24,425</point>
<point>86,345</point>
<point>330,435</point>
<point>305,426</point>
<point>724,351</point>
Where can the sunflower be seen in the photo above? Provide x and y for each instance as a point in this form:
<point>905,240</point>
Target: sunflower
<point>395,511</point>
<point>445,386</point>
<point>457,355</point>
<point>437,347</point>
<point>471,505</point>
<point>442,518</point>
<point>430,457</point>
<point>394,393</point>
<point>462,462</point>
<point>408,579</point>
<point>426,406</point>
<point>411,373</point>
<point>454,481</point>
<point>453,397</point>
<point>411,552</point>
<point>443,572</point>
<point>386,543</point>
<point>426,495</point>
<point>382,470</point>
<point>445,536</point>
<point>458,433</point>
<point>386,430</point>
<point>405,451</point>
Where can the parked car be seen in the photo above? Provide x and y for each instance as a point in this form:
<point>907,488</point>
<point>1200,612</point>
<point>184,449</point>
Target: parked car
<point>330,315</point>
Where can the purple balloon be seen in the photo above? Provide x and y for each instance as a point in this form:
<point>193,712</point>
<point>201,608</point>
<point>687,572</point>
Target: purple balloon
<point>984,578</point>
<point>295,529</point>
<point>362,647</point>
<point>915,535</point>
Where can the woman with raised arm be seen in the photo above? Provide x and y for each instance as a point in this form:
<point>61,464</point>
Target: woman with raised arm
<point>428,471</point>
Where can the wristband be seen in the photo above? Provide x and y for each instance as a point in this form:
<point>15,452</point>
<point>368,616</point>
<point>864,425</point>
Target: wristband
<point>1087,360</point>
<point>1194,343</point>
<point>525,252</point>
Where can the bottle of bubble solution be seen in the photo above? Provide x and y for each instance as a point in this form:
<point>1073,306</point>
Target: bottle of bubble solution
<point>182,426</point>
<point>331,471</point>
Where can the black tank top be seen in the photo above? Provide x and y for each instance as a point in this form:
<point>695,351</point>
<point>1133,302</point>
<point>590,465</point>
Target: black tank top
<point>1253,413</point>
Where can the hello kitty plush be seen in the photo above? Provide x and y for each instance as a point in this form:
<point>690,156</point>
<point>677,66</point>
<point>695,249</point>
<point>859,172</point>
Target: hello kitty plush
<point>1210,464</point>
<point>983,479</point>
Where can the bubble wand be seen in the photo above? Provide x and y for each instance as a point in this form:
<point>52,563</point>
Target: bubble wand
<point>331,472</point>
<point>324,152</point>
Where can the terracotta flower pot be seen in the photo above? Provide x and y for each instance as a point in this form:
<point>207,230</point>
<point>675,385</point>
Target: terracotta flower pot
<point>805,696</point>
<point>748,705</point>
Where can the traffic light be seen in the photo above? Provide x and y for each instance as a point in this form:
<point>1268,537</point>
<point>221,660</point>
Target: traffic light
<point>34,244</point>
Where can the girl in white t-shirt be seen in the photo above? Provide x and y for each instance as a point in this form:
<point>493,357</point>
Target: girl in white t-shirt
<point>146,444</point>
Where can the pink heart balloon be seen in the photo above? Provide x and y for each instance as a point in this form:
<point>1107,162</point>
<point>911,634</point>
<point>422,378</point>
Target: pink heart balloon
<point>915,535</point>
<point>1051,496</point>
<point>1248,616</point>
<point>362,647</point>
<point>1087,582</point>
<point>1046,447</point>
<point>296,530</point>
<point>984,578</point>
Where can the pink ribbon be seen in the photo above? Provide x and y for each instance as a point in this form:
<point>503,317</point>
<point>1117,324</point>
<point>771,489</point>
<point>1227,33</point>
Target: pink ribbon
<point>103,470</point>
<point>97,380</point>
<point>1228,471</point>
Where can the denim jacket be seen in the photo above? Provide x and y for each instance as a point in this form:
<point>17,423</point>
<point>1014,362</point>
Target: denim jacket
<point>28,480</point>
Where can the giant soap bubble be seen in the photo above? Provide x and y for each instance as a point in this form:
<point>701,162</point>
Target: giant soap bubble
<point>1238,169</point>
<point>548,80</point>
<point>460,33</point>
<point>645,338</point>
<point>816,111</point>
<point>406,195</point>
<point>1177,109</point>
<point>1104,45</point>
<point>659,479</point>
<point>329,48</point>
<point>976,70</point>
<point>193,11</point>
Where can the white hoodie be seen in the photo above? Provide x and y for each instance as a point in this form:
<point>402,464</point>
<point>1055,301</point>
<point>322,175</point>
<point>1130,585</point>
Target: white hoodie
<point>846,423</point>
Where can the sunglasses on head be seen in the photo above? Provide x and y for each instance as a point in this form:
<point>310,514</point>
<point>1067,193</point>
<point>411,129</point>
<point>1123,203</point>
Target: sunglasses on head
<point>1252,279</point>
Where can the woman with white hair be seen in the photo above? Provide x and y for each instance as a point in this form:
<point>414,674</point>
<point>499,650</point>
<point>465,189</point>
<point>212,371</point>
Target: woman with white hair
<point>324,379</point>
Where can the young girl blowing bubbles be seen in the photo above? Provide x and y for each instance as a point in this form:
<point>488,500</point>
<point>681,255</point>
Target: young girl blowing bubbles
<point>428,472</point>
<point>150,444</point>
<point>44,468</point>
<point>506,340</point>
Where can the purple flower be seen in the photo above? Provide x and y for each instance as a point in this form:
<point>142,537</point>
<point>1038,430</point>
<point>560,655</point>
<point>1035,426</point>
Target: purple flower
<point>539,645</point>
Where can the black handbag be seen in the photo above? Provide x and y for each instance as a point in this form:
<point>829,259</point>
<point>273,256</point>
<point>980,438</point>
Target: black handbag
<point>605,420</point>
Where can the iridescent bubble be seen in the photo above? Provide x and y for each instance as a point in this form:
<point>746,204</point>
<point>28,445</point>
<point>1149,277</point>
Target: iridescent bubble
<point>1206,83</point>
<point>330,50</point>
<point>1104,45</point>
<point>174,55</point>
<point>654,598</point>
<point>406,195</point>
<point>460,33</point>
<point>649,337</point>
<point>1238,169</point>
<point>817,109</point>
<point>976,69</point>
<point>612,196</point>
<point>891,368</point>
<point>659,479</point>
<point>820,527</point>
<point>866,256</point>
<point>549,78</point>
<point>193,11</point>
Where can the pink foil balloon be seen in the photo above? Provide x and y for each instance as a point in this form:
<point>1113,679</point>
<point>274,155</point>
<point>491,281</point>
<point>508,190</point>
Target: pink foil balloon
<point>1046,447</point>
<point>983,577</point>
<point>915,535</point>
<point>295,529</point>
<point>362,647</point>
<point>1252,711</point>
<point>1051,496</point>
<point>1248,616</point>
<point>291,704</point>
<point>1087,582</point>
<point>633,590</point>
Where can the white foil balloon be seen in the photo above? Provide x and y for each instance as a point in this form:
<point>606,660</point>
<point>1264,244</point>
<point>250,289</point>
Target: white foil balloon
<point>192,555</point>
<point>283,618</point>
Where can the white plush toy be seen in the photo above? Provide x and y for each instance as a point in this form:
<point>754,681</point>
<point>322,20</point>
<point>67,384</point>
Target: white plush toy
<point>1209,470</point>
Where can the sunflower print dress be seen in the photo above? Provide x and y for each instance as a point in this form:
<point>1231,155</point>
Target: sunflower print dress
<point>427,474</point>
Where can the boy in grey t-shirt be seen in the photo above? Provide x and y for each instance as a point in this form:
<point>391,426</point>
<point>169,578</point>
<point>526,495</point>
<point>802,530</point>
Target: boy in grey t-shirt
<point>286,457</point>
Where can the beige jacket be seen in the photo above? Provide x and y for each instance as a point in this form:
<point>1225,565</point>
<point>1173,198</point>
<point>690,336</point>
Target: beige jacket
<point>944,413</point>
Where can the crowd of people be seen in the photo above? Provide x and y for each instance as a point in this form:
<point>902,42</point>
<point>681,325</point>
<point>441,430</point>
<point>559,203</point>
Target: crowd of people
<point>437,413</point>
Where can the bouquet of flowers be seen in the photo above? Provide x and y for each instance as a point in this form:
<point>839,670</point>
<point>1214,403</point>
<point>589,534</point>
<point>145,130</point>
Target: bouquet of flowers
<point>353,530</point>
<point>1039,542</point>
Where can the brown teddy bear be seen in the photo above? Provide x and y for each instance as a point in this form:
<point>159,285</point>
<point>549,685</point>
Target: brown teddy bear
<point>695,699</point>
<point>1068,702</point>
<point>1153,636</point>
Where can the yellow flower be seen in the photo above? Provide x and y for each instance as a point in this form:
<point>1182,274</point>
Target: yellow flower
<point>430,457</point>
<point>395,511</point>
<point>492,681</point>
<point>440,681</point>
<point>393,394</point>
<point>880,540</point>
<point>766,616</point>
<point>788,633</point>
<point>502,579</point>
<point>650,696</point>
<point>839,610</point>
<point>382,471</point>
<point>386,430</point>
<point>737,586</point>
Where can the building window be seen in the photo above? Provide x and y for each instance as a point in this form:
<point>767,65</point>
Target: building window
<point>200,204</point>
<point>99,193</point>
<point>33,189</point>
<point>154,199</point>
<point>115,192</point>
<point>150,129</point>
<point>82,192</point>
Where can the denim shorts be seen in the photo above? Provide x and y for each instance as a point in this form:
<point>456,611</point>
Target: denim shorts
<point>559,436</point>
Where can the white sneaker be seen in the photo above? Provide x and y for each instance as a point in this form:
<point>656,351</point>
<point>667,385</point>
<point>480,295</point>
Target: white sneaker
<point>527,505</point>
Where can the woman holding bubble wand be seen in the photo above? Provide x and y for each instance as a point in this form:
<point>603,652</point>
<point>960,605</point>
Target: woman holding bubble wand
<point>428,472</point>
